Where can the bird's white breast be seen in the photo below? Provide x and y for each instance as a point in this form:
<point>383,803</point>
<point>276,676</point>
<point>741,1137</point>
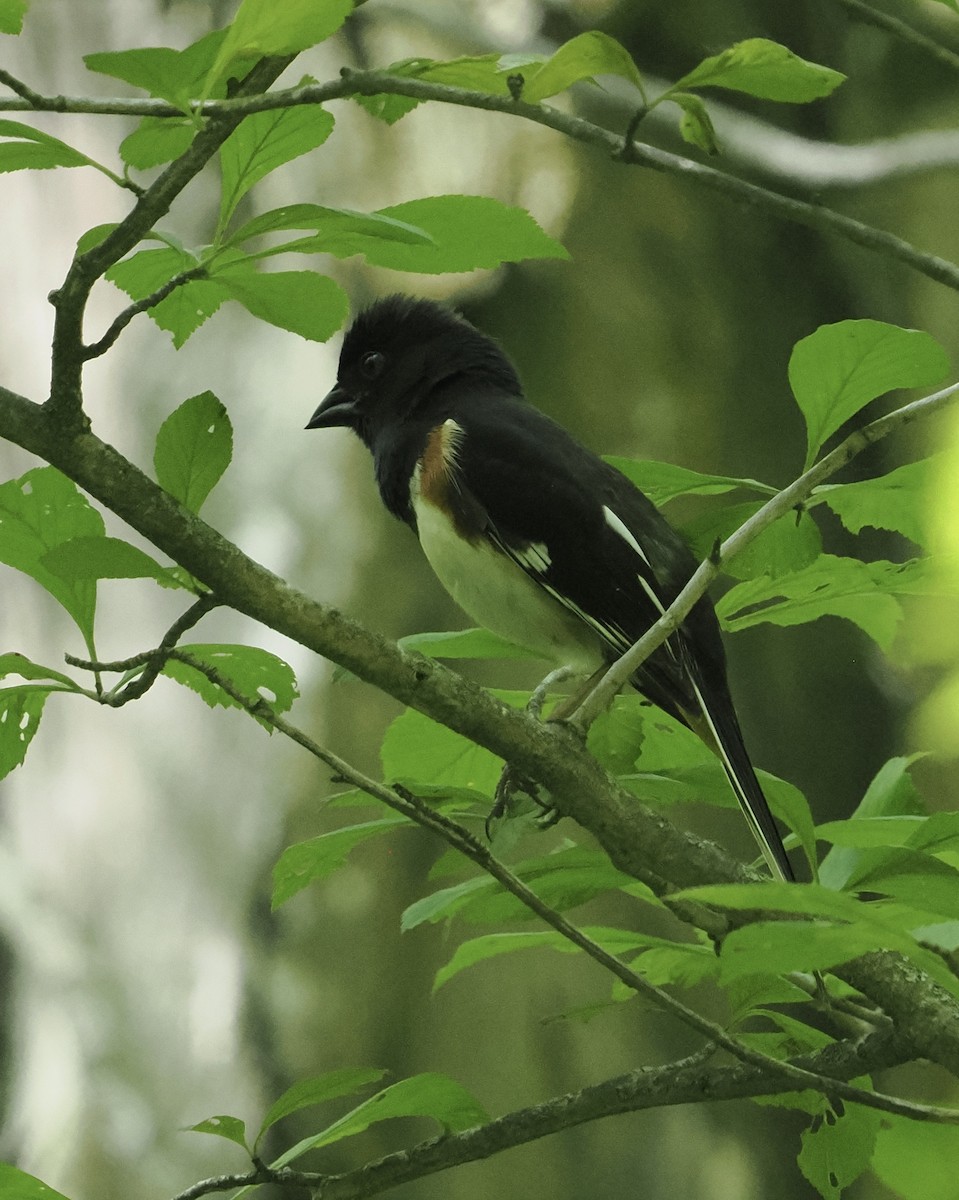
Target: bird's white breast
<point>499,595</point>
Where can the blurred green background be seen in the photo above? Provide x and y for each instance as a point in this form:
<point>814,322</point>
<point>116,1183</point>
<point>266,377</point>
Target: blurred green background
<point>144,982</point>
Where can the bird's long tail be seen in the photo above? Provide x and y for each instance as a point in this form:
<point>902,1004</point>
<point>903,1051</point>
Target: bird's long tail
<point>719,728</point>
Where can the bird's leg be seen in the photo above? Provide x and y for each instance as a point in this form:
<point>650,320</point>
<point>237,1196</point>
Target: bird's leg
<point>510,781</point>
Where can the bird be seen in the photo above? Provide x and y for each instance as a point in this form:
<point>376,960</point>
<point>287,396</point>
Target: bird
<point>531,533</point>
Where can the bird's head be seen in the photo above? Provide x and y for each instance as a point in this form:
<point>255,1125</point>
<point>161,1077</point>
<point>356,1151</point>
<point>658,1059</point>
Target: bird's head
<point>397,356</point>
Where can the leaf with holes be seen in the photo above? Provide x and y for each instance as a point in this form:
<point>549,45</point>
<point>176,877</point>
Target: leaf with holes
<point>193,448</point>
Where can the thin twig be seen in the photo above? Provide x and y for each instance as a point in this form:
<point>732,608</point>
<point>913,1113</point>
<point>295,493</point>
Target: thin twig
<point>27,94</point>
<point>899,29</point>
<point>123,319</point>
<point>621,671</point>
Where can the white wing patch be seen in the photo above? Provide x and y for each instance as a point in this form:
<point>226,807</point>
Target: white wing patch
<point>617,526</point>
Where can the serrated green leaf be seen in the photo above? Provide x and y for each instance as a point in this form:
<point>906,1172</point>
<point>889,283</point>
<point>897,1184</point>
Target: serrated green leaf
<point>308,1092</point>
<point>145,272</point>
<point>12,13</point>
<point>156,140</point>
<point>788,545</point>
<point>18,1185</point>
<point>765,69</point>
<point>262,28</point>
<point>420,749</point>
<point>916,1160</point>
<point>92,558</point>
<point>172,75</point>
<point>463,643</point>
<point>31,149</point>
<point>663,482</point>
<point>339,231</point>
<point>231,1128</point>
<point>468,232</point>
<point>194,446</point>
<point>898,500</point>
<point>478,73</point>
<point>779,947</point>
<point>305,862</point>
<point>836,1151</point>
<point>13,663</point>
<point>263,142</point>
<point>891,793</point>
<point>302,302</point>
<point>831,586</point>
<point>20,711</point>
<point>695,125</point>
<point>185,309</point>
<point>584,56</point>
<point>38,512</point>
<point>492,945</point>
<point>253,672</point>
<point>427,1095</point>
<point>840,368</point>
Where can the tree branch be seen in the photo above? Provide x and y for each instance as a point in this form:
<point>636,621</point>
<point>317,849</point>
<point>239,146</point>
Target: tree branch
<point>373,83</point>
<point>904,33</point>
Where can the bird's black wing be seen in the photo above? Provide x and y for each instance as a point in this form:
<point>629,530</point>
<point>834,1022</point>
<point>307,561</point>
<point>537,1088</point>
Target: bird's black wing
<point>595,543</point>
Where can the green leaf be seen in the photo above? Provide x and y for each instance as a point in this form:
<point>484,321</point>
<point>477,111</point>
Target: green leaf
<point>261,28</point>
<point>20,711</point>
<point>255,673</point>
<point>416,748</point>
<point>319,1090</point>
<point>891,793</point>
<point>915,1160</point>
<point>898,500</point>
<point>92,558</point>
<point>861,833</point>
<point>468,232</point>
<point>492,945</point>
<point>582,57</point>
<point>13,663</point>
<point>231,1128</point>
<point>779,947</point>
<point>910,876</point>
<point>303,302</point>
<point>12,13</point>
<point>663,482</point>
<point>187,307</point>
<point>788,545</point>
<point>173,75</point>
<point>305,862</point>
<point>39,511</point>
<point>813,900</point>
<point>837,1150</point>
<point>18,1185</point>
<point>463,643</point>
<point>840,368</point>
<point>263,142</point>
<point>156,140</point>
<point>194,446</point>
<point>676,964</point>
<point>831,586</point>
<point>695,125</point>
<point>478,73</point>
<point>93,237</point>
<point>339,231</point>
<point>34,150</point>
<point>765,69</point>
<point>428,1095</point>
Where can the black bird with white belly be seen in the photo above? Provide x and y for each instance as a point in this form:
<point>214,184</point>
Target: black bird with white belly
<point>532,534</point>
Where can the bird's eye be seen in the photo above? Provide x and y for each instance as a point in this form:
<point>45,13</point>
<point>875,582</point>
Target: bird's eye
<point>372,364</point>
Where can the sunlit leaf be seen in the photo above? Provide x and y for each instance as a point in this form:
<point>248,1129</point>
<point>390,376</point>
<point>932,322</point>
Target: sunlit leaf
<point>12,13</point>
<point>95,558</point>
<point>18,1185</point>
<point>172,75</point>
<point>840,368</point>
<point>303,302</point>
<point>837,1150</point>
<point>583,57</point>
<point>695,125</point>
<point>252,671</point>
<point>264,141</point>
<point>916,1160</point>
<point>31,149</point>
<point>663,482</point>
<point>20,711</point>
<point>156,140</point>
<point>38,512</point>
<point>194,446</point>
<point>898,500</point>
<point>765,69</point>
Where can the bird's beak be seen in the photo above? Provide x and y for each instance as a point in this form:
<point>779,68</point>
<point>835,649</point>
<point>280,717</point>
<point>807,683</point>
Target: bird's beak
<point>338,408</point>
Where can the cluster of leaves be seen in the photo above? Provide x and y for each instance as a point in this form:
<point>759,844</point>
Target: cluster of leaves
<point>50,532</point>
